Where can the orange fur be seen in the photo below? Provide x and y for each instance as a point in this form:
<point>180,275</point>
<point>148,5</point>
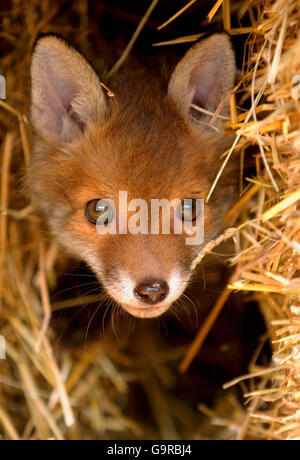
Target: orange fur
<point>144,141</point>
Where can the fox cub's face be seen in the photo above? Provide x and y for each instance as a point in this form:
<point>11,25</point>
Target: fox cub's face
<point>147,142</point>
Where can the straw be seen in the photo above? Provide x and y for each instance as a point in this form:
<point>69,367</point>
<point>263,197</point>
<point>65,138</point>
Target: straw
<point>133,39</point>
<point>53,391</point>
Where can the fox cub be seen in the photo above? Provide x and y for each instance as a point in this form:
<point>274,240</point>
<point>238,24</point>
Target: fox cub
<point>142,137</point>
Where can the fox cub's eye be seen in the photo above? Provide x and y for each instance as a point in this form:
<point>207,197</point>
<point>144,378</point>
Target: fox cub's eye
<point>189,210</point>
<point>99,212</point>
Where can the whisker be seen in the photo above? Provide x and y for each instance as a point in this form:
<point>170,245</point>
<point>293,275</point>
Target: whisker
<point>79,275</point>
<point>91,319</point>
<point>115,306</point>
<point>185,296</point>
<point>77,286</point>
<point>69,322</point>
<point>161,319</point>
<point>174,313</point>
<point>109,304</point>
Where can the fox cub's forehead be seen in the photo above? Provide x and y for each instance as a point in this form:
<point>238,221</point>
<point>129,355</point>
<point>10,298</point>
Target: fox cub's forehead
<point>163,163</point>
<point>135,144</point>
<point>145,126</point>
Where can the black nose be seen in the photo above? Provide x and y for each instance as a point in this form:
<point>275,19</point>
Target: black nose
<point>152,292</point>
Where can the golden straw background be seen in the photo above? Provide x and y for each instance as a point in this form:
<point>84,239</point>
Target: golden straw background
<point>73,395</point>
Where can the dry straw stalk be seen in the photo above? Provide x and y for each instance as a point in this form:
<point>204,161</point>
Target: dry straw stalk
<point>70,395</point>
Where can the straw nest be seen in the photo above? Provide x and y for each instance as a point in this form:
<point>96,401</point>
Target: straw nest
<point>76,395</point>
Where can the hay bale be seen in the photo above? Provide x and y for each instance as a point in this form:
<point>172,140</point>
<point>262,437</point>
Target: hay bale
<point>267,215</point>
<point>267,260</point>
<point>43,393</point>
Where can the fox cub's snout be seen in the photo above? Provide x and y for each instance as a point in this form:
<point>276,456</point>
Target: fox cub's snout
<point>146,141</point>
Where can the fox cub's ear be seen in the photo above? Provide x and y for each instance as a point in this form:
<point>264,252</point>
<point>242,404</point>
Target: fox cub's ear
<point>204,77</point>
<point>66,93</point>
